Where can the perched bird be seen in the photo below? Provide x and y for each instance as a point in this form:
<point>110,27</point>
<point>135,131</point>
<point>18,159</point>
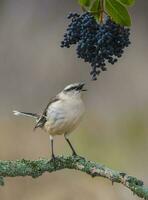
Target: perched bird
<point>62,114</point>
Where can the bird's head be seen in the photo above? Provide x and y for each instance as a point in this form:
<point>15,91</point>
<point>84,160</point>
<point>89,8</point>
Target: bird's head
<point>74,90</point>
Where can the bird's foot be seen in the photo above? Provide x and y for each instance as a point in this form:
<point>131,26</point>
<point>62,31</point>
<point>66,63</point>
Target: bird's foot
<point>53,159</point>
<point>74,154</point>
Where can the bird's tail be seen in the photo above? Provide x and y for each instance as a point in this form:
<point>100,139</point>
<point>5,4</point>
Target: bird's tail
<point>34,115</point>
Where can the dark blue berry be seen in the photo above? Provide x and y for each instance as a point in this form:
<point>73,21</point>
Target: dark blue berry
<point>96,43</point>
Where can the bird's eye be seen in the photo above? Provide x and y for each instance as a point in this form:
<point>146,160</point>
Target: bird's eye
<point>71,88</point>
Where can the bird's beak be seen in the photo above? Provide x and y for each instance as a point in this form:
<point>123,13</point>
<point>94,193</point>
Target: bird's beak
<point>84,90</point>
<point>81,86</point>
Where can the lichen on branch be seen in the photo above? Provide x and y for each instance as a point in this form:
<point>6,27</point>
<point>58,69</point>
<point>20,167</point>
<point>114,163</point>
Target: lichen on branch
<point>36,168</point>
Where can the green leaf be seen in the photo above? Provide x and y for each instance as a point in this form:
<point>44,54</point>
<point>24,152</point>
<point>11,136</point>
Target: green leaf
<point>127,2</point>
<point>84,3</point>
<point>94,6</point>
<point>118,12</point>
<point>91,6</point>
<point>95,9</point>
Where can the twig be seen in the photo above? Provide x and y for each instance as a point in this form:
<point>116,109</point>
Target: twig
<point>37,167</point>
<point>101,11</point>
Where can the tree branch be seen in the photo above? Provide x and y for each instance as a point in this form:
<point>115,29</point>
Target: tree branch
<point>37,167</point>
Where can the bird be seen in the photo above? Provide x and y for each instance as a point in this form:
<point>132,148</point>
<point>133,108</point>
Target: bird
<point>62,114</point>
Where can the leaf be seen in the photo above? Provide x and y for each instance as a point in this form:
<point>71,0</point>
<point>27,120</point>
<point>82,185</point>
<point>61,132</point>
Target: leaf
<point>118,12</point>
<point>95,9</point>
<point>91,6</point>
<point>94,6</point>
<point>127,2</point>
<point>84,3</point>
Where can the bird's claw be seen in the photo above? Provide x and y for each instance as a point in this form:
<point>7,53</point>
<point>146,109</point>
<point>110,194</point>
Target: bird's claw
<point>77,156</point>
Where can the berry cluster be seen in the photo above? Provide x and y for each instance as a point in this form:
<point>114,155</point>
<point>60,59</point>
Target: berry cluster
<point>96,43</point>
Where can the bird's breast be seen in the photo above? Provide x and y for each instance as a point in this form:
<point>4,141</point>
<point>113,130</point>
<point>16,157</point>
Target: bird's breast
<point>63,117</point>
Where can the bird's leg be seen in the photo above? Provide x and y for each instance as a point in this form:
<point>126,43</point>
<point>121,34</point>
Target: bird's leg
<point>52,151</point>
<point>68,141</point>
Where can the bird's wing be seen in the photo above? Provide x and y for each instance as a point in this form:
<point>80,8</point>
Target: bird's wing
<point>42,120</point>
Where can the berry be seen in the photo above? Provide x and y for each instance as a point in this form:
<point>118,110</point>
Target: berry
<point>96,43</point>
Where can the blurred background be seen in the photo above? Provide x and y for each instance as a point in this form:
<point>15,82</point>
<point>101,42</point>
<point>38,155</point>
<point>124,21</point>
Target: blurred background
<point>33,68</point>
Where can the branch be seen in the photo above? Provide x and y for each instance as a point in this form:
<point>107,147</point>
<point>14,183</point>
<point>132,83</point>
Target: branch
<point>37,167</point>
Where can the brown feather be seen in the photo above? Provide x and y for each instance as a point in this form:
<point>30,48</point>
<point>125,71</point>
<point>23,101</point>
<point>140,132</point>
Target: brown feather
<point>42,120</point>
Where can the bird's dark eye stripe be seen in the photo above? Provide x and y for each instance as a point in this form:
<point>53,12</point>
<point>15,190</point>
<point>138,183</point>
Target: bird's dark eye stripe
<point>71,88</point>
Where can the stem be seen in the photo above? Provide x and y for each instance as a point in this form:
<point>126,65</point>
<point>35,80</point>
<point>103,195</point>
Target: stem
<point>101,11</point>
